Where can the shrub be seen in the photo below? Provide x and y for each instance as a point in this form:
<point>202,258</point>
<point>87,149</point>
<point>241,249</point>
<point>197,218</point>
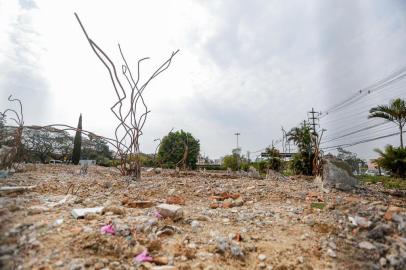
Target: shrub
<point>393,159</point>
<point>230,161</point>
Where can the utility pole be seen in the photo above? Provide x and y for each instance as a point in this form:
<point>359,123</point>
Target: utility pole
<point>237,134</point>
<point>238,151</point>
<point>312,120</point>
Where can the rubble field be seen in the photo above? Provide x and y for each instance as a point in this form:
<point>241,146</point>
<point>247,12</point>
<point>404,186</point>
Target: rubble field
<point>194,220</point>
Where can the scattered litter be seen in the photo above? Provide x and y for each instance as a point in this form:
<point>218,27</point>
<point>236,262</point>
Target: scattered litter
<point>108,229</point>
<point>81,212</point>
<point>157,214</point>
<point>143,257</point>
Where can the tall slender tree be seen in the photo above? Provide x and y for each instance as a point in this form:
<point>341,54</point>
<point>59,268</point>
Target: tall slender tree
<point>77,143</point>
<point>394,112</point>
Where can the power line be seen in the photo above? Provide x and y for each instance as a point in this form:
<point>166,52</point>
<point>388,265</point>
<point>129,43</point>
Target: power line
<point>394,77</point>
<point>354,132</point>
<point>362,141</point>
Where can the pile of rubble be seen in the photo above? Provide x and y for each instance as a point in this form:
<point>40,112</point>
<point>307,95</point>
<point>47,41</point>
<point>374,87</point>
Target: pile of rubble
<point>192,220</point>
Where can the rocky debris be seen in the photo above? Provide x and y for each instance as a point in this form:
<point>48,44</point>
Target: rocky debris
<point>390,211</point>
<point>10,189</point>
<point>175,200</point>
<point>174,212</point>
<point>252,172</point>
<point>137,204</point>
<point>337,174</point>
<point>81,212</point>
<point>116,210</point>
<point>379,231</point>
<point>277,226</point>
<point>274,175</point>
<point>366,245</point>
<point>3,174</point>
<point>226,200</point>
<point>360,221</point>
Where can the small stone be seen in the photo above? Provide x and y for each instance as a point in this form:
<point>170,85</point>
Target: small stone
<point>91,216</point>
<point>262,265</point>
<point>164,267</point>
<point>300,259</point>
<point>222,244</point>
<point>175,212</point>
<point>195,225</point>
<point>236,250</point>
<point>366,245</point>
<point>37,209</point>
<point>262,257</point>
<point>59,264</point>
<point>175,200</point>
<point>382,261</point>
<point>331,253</point>
<point>161,260</point>
<point>332,245</point>
<point>98,265</point>
<point>390,211</point>
<point>137,204</point>
<point>379,231</point>
<point>116,210</point>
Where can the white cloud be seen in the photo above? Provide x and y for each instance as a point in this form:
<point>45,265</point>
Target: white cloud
<point>243,66</point>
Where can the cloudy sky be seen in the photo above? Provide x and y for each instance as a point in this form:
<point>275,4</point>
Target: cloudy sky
<point>247,66</point>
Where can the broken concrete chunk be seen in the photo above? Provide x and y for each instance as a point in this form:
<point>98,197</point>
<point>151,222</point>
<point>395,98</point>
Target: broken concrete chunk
<point>172,211</point>
<point>16,189</point>
<point>81,212</point>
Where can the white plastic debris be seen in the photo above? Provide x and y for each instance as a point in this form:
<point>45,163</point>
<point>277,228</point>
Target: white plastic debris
<point>81,212</point>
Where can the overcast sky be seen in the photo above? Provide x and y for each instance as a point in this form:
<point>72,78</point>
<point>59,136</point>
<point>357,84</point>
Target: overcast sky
<point>246,66</point>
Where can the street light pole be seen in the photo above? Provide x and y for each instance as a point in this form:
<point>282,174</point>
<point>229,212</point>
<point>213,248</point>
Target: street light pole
<point>237,134</point>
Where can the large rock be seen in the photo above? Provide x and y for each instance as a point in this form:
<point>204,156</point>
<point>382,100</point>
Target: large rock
<point>337,174</point>
<point>172,211</point>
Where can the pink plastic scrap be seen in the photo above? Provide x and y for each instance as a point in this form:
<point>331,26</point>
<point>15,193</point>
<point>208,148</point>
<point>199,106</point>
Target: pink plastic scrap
<point>157,214</point>
<point>108,229</point>
<point>143,257</point>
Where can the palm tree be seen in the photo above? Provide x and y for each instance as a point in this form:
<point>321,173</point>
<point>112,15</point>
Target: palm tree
<point>394,112</point>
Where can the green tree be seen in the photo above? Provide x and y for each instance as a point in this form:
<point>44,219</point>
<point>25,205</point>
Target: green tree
<point>96,149</point>
<point>230,161</point>
<point>350,158</point>
<point>303,160</point>
<point>393,159</point>
<point>394,112</point>
<point>179,149</point>
<point>274,158</point>
<point>77,143</point>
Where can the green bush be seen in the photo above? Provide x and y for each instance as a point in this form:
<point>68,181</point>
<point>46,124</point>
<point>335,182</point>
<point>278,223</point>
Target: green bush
<point>393,159</point>
<point>230,161</point>
<point>301,163</point>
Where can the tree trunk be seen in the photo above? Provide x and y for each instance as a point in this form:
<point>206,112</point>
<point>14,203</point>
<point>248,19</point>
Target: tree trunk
<point>401,136</point>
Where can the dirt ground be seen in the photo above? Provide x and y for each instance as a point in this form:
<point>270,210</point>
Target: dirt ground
<point>229,222</point>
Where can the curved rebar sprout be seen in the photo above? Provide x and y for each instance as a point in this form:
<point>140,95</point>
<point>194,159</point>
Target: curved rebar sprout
<point>131,118</point>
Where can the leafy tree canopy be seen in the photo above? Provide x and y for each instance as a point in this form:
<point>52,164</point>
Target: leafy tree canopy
<point>180,149</point>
